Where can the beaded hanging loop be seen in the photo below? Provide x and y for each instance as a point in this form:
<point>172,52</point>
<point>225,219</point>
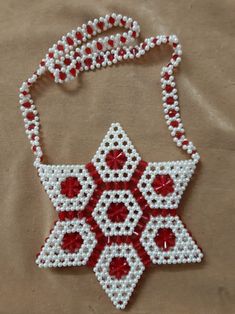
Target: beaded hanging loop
<point>117,213</point>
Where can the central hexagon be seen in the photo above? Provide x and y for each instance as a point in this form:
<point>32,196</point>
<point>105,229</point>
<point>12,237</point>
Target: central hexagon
<point>117,212</point>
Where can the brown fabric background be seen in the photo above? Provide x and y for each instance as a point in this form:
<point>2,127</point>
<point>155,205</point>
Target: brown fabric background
<point>74,120</point>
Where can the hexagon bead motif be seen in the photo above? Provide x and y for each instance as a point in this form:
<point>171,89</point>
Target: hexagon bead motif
<point>117,213</point>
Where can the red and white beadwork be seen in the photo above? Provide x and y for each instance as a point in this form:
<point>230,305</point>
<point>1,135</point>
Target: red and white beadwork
<point>69,187</point>
<point>117,213</point>
<point>118,270</point>
<point>167,241</point>
<point>69,244</point>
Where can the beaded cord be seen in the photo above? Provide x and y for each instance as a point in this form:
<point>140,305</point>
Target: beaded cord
<point>72,54</point>
<point>117,213</point>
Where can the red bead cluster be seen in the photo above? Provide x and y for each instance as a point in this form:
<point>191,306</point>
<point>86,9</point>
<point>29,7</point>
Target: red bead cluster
<point>165,239</point>
<point>71,242</point>
<point>163,184</point>
<point>116,159</point>
<point>117,212</point>
<point>119,267</point>
<point>71,187</point>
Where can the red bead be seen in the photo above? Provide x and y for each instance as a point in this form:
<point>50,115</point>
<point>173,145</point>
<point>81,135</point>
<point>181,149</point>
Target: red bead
<point>73,72</point>
<point>119,267</point>
<point>57,66</point>
<point>70,41</point>
<point>134,34</point>
<point>171,113</point>
<point>30,116</point>
<point>111,42</point>
<point>72,214</point>
<point>67,61</point>
<point>111,20</point>
<point>99,46</point>
<point>100,59</point>
<point>163,184</point>
<point>31,127</point>
<point>100,25</point>
<point>168,88</point>
<point>89,29</point>
<point>143,45</point>
<point>72,242</point>
<point>170,101</point>
<point>178,134</point>
<point>165,212</point>
<point>185,142</point>
<point>123,39</point>
<point>51,54</point>
<point>123,22</point>
<point>111,57</point>
<point>76,54</point>
<point>116,159</point>
<point>27,104</point>
<point>117,212</point>
<point>88,62</point>
<point>62,76</point>
<point>78,65</point>
<point>165,239</point>
<point>79,36</point>
<point>70,187</point>
<point>122,52</point>
<point>60,47</point>
<point>166,76</point>
<point>88,50</point>
<point>174,124</point>
<point>62,215</point>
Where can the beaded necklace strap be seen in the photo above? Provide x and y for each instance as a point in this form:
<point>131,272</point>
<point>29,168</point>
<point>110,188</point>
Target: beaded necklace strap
<point>72,54</point>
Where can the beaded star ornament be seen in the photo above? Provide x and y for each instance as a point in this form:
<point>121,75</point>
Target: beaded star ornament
<point>117,213</point>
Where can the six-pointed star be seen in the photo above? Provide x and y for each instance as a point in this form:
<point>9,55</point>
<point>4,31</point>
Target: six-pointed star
<point>117,214</point>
